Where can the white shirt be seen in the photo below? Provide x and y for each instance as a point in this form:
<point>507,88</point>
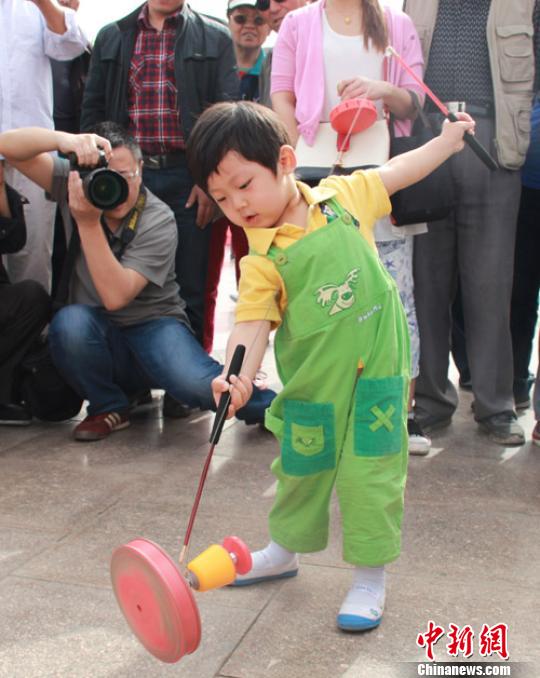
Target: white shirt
<point>26,44</point>
<point>345,56</point>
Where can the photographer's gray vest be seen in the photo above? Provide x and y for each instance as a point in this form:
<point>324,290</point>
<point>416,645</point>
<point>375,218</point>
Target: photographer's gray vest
<point>510,41</point>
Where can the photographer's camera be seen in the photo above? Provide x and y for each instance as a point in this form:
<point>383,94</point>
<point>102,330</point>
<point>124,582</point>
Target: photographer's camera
<point>103,187</point>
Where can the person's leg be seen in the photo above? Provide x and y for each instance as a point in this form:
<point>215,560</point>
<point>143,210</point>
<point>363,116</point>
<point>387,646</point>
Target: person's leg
<point>173,186</point>
<point>397,258</point>
<point>434,284</point>
<point>370,486</point>
<point>486,222</point>
<point>524,307</point>
<point>34,260</point>
<point>92,355</point>
<point>172,359</point>
<point>25,309</point>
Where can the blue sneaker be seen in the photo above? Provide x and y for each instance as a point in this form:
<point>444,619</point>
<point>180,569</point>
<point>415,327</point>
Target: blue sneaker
<point>362,609</point>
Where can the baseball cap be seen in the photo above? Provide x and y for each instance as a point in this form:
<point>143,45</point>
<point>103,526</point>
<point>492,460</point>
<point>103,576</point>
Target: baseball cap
<point>233,4</point>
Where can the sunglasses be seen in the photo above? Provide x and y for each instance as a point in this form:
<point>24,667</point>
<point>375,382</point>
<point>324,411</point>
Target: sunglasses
<point>242,19</point>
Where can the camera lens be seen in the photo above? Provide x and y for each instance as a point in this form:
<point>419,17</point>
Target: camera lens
<point>105,188</point>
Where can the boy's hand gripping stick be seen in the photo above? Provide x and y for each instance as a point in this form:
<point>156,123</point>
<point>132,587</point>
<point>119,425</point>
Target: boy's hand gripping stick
<point>469,139</point>
<point>154,596</point>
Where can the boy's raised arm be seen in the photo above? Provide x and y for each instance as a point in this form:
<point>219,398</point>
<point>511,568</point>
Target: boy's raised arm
<point>408,168</point>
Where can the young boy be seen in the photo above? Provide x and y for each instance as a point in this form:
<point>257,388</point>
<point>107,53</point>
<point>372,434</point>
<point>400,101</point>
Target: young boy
<point>342,347</point>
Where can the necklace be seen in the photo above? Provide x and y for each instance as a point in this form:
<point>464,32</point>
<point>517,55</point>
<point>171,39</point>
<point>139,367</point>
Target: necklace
<point>347,19</point>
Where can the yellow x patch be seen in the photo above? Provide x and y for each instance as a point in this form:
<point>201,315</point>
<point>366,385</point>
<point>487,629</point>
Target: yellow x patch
<point>382,418</point>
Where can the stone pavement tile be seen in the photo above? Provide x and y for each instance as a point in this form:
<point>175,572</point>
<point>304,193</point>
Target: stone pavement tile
<point>19,546</point>
<point>150,442</point>
<point>27,438</point>
<point>473,483</point>
<point>63,631</point>
<point>465,439</point>
<point>295,635</point>
<point>230,483</point>
<point>84,556</point>
<point>54,498</point>
<point>455,542</point>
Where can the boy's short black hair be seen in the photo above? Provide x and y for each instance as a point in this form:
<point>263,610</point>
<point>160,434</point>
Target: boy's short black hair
<point>251,130</point>
<point>118,136</point>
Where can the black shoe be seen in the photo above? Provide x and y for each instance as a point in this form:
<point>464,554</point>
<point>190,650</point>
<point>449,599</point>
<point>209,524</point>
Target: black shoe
<point>14,415</point>
<point>142,398</point>
<point>430,424</point>
<point>172,409</point>
<point>419,443</point>
<point>522,391</point>
<point>503,429</point>
<point>522,397</point>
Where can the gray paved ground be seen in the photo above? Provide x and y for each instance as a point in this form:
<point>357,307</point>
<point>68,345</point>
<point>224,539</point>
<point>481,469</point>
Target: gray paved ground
<point>470,556</point>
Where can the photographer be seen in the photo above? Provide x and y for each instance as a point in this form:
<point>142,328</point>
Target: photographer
<point>125,329</point>
<point>24,308</point>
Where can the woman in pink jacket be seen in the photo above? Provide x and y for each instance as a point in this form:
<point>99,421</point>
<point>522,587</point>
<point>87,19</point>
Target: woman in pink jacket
<point>333,50</point>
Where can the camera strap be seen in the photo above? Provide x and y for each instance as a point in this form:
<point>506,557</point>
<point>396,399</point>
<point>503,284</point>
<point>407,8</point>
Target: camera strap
<point>129,229</point>
<point>74,248</point>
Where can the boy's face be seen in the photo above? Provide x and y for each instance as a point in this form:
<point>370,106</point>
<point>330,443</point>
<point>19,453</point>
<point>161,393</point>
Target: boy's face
<point>250,194</point>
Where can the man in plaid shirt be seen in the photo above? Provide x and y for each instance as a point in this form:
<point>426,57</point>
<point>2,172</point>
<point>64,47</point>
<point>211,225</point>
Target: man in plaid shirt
<point>154,71</point>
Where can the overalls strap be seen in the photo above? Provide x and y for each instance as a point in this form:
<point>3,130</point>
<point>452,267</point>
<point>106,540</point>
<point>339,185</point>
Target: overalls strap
<point>333,211</point>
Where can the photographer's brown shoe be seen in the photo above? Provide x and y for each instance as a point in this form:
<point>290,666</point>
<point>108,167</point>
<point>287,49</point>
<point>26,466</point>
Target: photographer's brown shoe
<point>99,426</point>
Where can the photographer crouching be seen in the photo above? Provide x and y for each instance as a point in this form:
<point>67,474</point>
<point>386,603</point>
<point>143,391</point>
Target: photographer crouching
<point>24,309</point>
<point>124,329</point>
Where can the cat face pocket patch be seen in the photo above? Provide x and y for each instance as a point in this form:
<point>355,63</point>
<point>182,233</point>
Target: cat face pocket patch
<point>308,444</point>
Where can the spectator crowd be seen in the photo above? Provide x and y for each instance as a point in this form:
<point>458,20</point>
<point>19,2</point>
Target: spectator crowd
<point>117,293</point>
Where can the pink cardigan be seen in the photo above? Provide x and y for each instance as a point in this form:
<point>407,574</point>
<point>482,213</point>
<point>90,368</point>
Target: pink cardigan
<point>297,63</point>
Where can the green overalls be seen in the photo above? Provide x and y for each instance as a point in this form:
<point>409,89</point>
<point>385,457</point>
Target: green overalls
<point>336,427</point>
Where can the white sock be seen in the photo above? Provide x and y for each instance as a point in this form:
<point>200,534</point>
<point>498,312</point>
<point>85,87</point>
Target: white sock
<point>366,595</point>
<point>272,556</point>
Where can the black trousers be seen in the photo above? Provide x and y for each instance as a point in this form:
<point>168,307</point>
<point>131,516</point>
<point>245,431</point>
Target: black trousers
<point>475,245</point>
<point>524,308</point>
<point>25,309</point>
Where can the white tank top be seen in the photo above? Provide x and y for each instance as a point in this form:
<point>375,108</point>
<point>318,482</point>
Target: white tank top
<point>346,57</point>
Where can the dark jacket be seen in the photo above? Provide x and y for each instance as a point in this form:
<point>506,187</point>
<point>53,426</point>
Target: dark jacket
<point>205,69</point>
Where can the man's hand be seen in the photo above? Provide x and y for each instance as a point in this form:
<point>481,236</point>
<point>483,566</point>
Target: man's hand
<point>206,207</point>
<point>86,147</point>
<point>241,388</point>
<point>84,213</point>
<point>1,173</point>
<point>364,88</point>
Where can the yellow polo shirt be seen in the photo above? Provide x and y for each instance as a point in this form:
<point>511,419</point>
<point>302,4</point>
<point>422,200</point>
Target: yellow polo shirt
<point>262,294</point>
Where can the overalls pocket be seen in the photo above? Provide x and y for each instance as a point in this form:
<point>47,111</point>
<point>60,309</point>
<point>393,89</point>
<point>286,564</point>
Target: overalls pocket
<point>378,413</point>
<point>308,444</point>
